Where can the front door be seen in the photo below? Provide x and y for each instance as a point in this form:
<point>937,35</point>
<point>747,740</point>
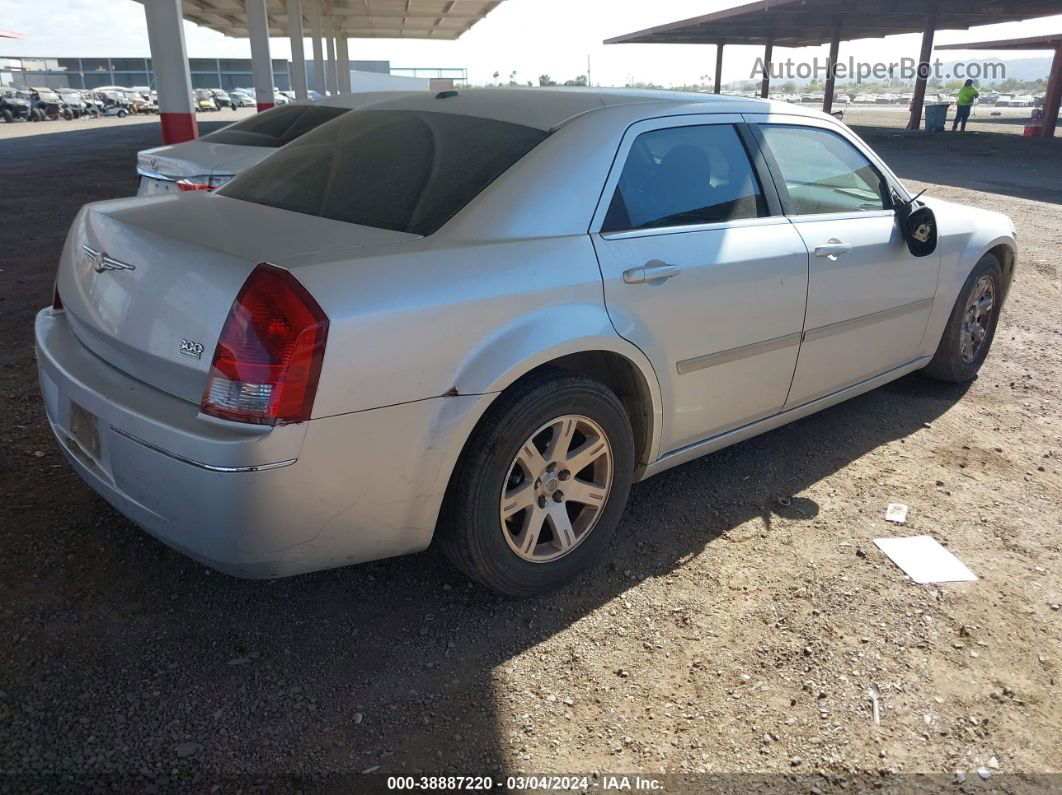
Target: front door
<point>869,299</point>
<point>700,275</point>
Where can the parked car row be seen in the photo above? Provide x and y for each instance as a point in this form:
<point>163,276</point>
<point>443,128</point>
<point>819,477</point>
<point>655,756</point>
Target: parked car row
<point>48,104</point>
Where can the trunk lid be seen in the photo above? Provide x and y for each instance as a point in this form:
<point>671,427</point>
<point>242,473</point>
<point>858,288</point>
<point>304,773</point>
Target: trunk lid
<point>155,306</point>
<point>199,158</point>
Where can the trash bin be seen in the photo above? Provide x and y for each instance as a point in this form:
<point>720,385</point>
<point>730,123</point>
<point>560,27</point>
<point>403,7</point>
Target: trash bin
<point>936,116</point>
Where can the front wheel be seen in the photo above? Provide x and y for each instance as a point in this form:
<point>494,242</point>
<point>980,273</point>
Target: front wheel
<point>971,325</point>
<point>541,484</point>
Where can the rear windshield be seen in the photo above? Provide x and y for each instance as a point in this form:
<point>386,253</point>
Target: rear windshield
<point>276,127</point>
<point>409,171</point>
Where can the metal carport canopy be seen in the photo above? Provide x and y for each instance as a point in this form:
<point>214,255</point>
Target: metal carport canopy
<point>808,23</point>
<point>359,19</point>
<point>1050,41</point>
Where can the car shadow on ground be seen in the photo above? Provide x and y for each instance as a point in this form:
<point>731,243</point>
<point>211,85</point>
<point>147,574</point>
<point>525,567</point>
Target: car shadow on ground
<point>389,664</point>
<point>993,162</point>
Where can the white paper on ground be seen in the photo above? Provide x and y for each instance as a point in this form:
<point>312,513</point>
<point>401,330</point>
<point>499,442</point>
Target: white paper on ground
<point>896,512</point>
<point>924,560</point>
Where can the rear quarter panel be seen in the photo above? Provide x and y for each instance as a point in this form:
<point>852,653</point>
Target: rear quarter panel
<point>428,318</point>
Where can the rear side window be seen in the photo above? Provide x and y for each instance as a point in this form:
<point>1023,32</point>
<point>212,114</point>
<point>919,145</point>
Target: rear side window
<point>684,176</point>
<point>276,127</point>
<point>409,171</point>
<point>824,173</point>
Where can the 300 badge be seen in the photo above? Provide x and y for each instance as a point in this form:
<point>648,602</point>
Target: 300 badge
<point>191,348</point>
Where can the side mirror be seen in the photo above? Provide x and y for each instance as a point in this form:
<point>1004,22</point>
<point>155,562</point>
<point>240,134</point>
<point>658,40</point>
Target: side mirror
<point>918,225</point>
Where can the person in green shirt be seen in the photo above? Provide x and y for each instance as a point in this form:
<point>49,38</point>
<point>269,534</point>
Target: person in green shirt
<point>967,95</point>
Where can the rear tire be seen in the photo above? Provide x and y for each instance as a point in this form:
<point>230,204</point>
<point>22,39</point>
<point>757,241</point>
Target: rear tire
<point>971,326</point>
<point>525,451</point>
<point>8,116</point>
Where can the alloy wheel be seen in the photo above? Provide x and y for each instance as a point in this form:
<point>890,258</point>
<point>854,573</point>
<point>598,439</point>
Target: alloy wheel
<point>556,488</point>
<point>976,319</point>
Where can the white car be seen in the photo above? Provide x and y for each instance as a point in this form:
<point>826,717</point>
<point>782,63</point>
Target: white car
<point>209,162</point>
<point>480,316</point>
<point>242,99</point>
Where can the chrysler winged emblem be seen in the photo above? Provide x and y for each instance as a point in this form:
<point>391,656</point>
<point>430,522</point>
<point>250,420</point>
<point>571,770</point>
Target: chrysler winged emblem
<point>101,262</point>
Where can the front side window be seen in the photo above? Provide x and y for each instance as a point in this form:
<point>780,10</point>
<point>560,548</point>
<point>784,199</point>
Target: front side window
<point>275,127</point>
<point>405,170</point>
<point>683,176</point>
<point>824,173</point>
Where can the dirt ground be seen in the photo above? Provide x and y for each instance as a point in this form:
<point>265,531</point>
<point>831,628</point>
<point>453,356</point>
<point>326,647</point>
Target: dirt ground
<point>725,634</point>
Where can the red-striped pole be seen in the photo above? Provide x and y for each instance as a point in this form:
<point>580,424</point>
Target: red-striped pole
<point>170,66</point>
<point>261,66</point>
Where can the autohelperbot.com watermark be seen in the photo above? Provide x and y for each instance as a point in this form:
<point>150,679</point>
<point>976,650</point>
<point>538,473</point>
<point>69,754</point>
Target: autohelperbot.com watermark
<point>903,69</point>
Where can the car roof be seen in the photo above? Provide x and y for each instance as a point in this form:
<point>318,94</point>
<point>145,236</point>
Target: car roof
<point>358,99</point>
<point>549,108</point>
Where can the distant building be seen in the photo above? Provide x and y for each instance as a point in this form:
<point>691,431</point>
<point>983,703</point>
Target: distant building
<point>226,73</point>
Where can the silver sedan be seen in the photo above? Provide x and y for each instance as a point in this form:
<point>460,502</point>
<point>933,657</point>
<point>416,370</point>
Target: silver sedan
<point>481,315</point>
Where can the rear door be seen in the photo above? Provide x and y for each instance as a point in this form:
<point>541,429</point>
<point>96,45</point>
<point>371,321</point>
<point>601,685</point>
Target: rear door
<point>869,299</point>
<point>702,272</point>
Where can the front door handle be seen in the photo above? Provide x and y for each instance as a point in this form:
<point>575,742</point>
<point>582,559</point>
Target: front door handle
<point>650,273</point>
<point>832,249</point>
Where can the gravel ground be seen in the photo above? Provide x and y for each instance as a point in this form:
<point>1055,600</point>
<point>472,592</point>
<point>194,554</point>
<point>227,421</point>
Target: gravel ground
<point>725,634</point>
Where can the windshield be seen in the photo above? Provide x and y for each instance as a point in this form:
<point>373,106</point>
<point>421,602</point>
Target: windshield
<point>409,171</point>
<point>276,127</point>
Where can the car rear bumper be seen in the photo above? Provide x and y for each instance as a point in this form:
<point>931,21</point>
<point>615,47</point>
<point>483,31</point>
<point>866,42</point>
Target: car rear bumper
<point>248,502</point>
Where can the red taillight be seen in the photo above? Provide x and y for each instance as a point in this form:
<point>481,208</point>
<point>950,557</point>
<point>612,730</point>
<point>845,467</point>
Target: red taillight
<point>193,184</point>
<point>268,359</point>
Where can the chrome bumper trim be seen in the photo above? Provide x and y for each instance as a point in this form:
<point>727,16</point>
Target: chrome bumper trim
<point>200,464</point>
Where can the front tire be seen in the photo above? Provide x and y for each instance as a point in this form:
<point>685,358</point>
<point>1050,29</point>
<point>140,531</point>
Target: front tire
<point>541,484</point>
<point>971,326</point>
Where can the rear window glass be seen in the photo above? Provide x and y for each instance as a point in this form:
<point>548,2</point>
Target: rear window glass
<point>409,171</point>
<point>276,127</point>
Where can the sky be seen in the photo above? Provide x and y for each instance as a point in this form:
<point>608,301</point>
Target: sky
<point>530,37</point>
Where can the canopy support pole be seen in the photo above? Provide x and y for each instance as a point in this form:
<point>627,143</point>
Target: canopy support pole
<point>768,53</point>
<point>343,63</point>
<point>169,62</point>
<point>317,35</point>
<point>331,72</point>
<point>261,66</point>
<point>298,57</point>
<point>919,98</point>
<point>831,78</point>
<point>1053,97</point>
<point>718,67</point>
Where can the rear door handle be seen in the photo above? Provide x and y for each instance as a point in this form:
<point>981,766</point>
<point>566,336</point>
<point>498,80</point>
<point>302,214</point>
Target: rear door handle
<point>832,249</point>
<point>650,273</point>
